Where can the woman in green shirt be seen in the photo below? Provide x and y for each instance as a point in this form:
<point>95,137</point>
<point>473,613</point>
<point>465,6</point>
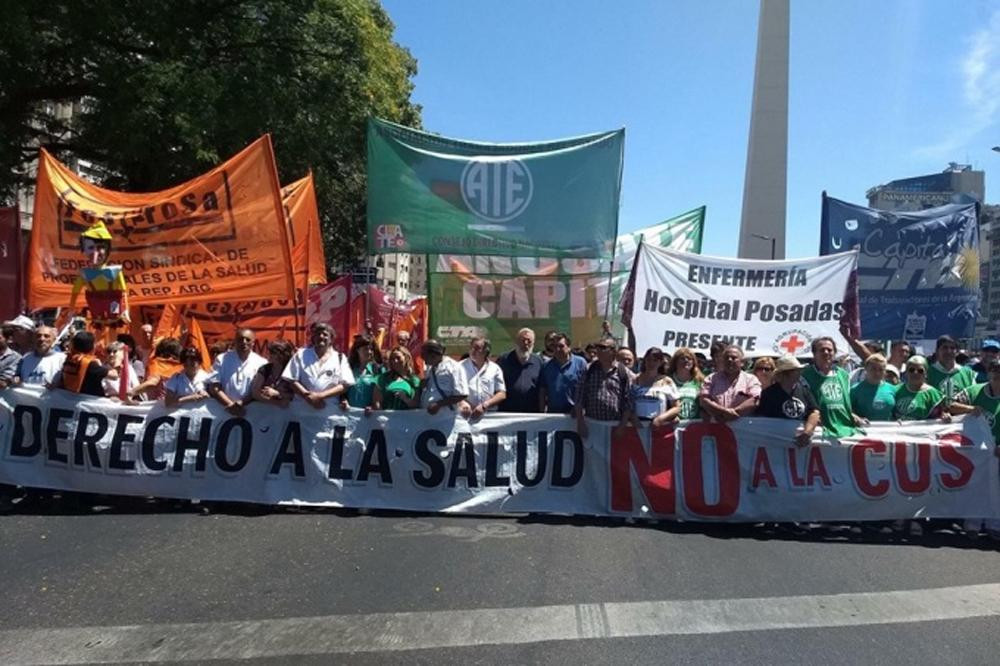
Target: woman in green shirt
<point>873,398</point>
<point>396,388</point>
<point>916,400</point>
<point>983,399</point>
<point>366,364</point>
<point>683,369</point>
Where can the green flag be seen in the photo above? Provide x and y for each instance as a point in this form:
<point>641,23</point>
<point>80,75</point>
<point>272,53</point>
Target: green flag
<point>432,194</point>
<point>496,296</point>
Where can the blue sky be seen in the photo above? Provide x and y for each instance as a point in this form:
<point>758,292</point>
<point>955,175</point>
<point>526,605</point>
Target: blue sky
<point>878,90</point>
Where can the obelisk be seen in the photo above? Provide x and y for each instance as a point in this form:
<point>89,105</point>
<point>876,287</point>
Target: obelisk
<point>765,187</point>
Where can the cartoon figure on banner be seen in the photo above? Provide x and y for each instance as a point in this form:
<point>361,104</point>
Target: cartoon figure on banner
<point>103,284</point>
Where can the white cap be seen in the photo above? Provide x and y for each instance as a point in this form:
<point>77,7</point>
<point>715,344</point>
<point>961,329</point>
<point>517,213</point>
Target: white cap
<point>21,321</point>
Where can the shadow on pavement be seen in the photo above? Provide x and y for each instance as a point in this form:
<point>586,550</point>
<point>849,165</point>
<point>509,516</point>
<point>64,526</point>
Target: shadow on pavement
<point>935,533</point>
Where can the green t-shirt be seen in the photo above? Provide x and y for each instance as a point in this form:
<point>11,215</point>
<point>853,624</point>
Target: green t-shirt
<point>949,384</point>
<point>390,384</point>
<point>873,401</point>
<point>833,395</point>
<point>360,393</point>
<point>688,399</point>
<point>916,406</point>
<point>978,395</point>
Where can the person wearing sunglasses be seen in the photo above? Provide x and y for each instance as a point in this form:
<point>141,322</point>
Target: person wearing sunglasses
<point>916,400</point>
<point>983,399</point>
<point>654,395</point>
<point>763,370</point>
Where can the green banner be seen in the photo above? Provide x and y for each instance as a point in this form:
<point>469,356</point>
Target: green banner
<point>427,193</point>
<point>496,296</point>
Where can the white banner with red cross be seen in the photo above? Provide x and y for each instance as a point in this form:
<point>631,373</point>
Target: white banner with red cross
<point>747,470</point>
<point>768,308</point>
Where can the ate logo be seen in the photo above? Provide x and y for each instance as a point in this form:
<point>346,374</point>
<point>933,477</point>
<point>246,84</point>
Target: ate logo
<point>496,190</point>
<point>389,236</point>
<point>792,343</point>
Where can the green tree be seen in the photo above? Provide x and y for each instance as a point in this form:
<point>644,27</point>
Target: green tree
<point>167,89</point>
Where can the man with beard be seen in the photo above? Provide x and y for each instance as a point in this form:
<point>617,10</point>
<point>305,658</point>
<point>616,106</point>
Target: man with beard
<point>522,371</point>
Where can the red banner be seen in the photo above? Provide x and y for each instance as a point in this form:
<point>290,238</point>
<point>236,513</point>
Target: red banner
<point>11,266</point>
<point>353,310</point>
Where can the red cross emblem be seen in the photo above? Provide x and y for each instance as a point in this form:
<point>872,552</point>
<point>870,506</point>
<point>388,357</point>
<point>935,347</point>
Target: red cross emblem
<point>792,344</point>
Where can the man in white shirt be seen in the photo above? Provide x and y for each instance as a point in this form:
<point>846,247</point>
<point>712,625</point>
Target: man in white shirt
<point>484,379</point>
<point>40,367</point>
<point>320,371</point>
<point>233,373</point>
<point>444,381</point>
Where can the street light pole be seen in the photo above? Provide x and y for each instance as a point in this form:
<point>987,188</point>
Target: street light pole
<point>767,238</point>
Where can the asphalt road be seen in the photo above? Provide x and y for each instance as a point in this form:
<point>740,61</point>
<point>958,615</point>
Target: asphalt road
<point>153,565</point>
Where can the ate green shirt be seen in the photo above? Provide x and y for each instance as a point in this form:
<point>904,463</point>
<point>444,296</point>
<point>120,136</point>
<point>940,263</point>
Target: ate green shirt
<point>688,399</point>
<point>949,384</point>
<point>833,395</point>
<point>390,384</point>
<point>978,395</point>
<point>916,406</point>
<point>873,401</point>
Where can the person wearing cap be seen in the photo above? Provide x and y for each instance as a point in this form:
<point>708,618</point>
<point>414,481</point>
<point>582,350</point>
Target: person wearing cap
<point>9,358</point>
<point>892,374</point>
<point>103,284</point>
<point>916,400</point>
<point>444,382</point>
<point>988,352</point>
<point>789,397</point>
<point>873,398</point>
<point>654,394</point>
<point>946,374</point>
<point>40,366</point>
<point>21,337</point>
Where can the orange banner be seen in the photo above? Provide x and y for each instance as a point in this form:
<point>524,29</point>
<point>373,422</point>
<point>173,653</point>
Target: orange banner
<point>302,215</point>
<point>221,237</point>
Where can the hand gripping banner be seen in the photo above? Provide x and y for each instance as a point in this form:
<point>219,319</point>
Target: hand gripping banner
<point>747,470</point>
<point>220,237</point>
<point>427,193</point>
<point>768,308</point>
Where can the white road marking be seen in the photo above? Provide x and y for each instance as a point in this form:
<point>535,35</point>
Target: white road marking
<point>378,632</point>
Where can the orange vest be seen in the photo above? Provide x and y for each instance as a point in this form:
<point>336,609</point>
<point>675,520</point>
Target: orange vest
<point>74,371</point>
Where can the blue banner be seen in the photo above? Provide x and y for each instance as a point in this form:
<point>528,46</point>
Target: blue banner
<point>918,272</point>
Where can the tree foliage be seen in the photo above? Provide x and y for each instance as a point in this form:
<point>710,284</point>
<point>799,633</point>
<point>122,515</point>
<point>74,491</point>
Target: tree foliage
<point>169,88</point>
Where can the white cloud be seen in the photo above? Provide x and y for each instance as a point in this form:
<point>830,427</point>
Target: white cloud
<point>980,70</point>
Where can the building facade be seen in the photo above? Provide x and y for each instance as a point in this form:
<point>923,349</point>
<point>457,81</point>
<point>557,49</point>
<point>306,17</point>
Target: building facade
<point>403,275</point>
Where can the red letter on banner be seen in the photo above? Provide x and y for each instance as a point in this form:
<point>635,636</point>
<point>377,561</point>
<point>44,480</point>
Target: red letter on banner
<point>656,473</point>
<point>728,461</point>
<point>907,485</point>
<point>762,469</point>
<point>954,457</point>
<point>859,468</point>
<point>816,469</point>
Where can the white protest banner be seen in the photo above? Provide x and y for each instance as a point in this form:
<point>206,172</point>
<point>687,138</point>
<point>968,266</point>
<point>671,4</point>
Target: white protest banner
<point>748,470</point>
<point>769,308</point>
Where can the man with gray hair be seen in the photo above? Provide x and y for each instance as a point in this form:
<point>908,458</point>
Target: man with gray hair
<point>40,366</point>
<point>522,372</point>
<point>233,372</point>
<point>729,392</point>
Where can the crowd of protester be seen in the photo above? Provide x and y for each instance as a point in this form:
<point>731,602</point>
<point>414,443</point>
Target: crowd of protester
<point>602,381</point>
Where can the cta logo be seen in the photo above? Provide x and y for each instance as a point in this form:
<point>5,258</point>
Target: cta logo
<point>389,236</point>
<point>496,190</point>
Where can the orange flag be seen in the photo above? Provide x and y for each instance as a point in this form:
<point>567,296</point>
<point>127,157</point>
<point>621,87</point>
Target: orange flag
<point>169,325</point>
<point>302,214</point>
<point>197,340</point>
<point>220,237</point>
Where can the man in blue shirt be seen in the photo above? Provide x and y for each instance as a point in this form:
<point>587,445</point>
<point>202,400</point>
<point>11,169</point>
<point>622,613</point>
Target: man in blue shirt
<point>559,377</point>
